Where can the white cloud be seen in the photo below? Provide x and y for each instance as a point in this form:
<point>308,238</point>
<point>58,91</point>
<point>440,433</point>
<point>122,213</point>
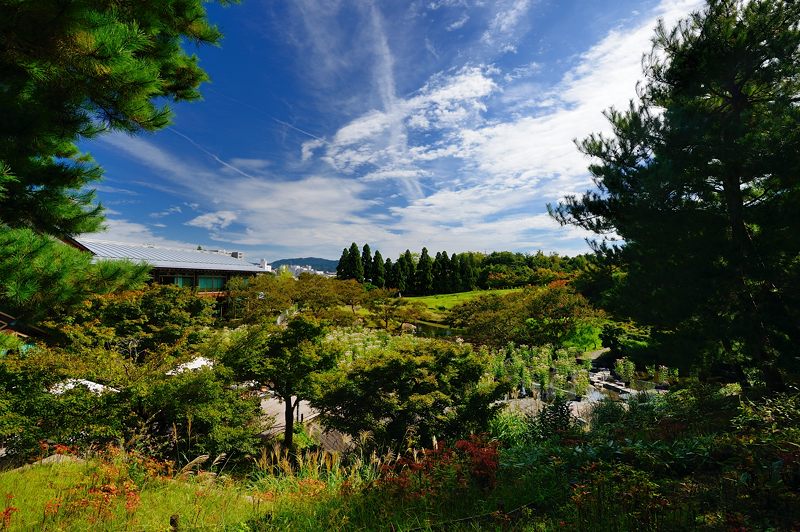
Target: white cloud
<point>251,165</point>
<point>505,24</point>
<point>121,230</point>
<point>113,190</point>
<point>458,24</point>
<point>175,209</point>
<point>213,221</point>
<point>540,147</point>
<point>380,137</point>
<point>308,148</point>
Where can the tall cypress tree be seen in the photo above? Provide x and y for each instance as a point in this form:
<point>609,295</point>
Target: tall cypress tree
<point>438,274</point>
<point>342,268</point>
<point>366,262</point>
<point>378,271</point>
<point>355,266</point>
<point>411,266</point>
<point>423,279</point>
<point>390,271</point>
<point>466,266</point>
<point>455,274</point>
<point>446,274</point>
<point>405,272</point>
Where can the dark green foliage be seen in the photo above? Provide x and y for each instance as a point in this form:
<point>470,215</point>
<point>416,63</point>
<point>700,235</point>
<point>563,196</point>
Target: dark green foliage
<point>71,71</point>
<point>464,272</point>
<point>406,272</point>
<point>410,390</point>
<point>378,270</point>
<point>625,339</point>
<point>423,279</point>
<point>76,70</point>
<point>705,194</point>
<point>351,265</point>
<point>43,277</point>
<point>139,324</point>
<point>390,270</point>
<point>195,412</point>
<point>168,416</point>
<point>467,272</point>
<point>286,359</point>
<point>534,316</point>
<point>437,270</point>
<point>355,264</point>
<point>453,274</point>
<point>553,420</point>
<point>342,265</point>
<point>366,262</point>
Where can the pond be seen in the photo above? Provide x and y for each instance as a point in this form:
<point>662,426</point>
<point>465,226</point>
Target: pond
<point>435,330</point>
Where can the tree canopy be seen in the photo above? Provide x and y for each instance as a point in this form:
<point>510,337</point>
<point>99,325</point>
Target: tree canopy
<point>71,71</point>
<point>286,359</point>
<point>700,181</point>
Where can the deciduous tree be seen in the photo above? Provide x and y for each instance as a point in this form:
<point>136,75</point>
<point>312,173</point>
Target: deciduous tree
<point>286,359</point>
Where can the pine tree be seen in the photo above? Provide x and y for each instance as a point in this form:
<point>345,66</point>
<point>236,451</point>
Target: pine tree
<point>74,70</point>
<point>366,263</point>
<point>378,271</point>
<point>423,279</point>
<point>700,180</point>
<point>41,276</point>
<point>71,71</point>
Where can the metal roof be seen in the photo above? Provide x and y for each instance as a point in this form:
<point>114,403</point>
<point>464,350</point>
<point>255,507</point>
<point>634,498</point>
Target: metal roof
<point>160,257</point>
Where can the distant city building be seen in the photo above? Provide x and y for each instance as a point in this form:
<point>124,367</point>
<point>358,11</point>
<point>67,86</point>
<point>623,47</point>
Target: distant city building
<point>203,270</point>
<point>296,270</point>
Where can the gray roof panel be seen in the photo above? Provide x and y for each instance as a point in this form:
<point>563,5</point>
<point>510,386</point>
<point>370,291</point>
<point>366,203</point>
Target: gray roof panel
<point>160,257</point>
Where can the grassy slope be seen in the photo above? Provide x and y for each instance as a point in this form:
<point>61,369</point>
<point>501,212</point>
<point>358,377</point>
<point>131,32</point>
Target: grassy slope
<point>76,496</point>
<point>440,303</point>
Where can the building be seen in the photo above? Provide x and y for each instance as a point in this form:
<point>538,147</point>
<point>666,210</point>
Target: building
<point>203,270</point>
<point>11,325</point>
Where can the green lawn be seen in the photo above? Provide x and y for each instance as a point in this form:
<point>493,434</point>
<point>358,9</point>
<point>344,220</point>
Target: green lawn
<point>439,303</point>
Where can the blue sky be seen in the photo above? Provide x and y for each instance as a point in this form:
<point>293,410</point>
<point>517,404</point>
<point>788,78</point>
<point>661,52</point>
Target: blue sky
<point>439,123</point>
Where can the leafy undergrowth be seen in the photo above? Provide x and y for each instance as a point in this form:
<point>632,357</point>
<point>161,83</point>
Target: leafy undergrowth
<point>694,459</point>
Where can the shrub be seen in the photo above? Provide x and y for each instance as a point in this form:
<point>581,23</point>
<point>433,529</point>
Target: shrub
<point>408,388</point>
<point>606,414</point>
<point>553,421</point>
<point>625,369</point>
<point>510,427</point>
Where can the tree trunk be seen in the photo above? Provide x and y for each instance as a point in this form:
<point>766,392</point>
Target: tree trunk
<point>743,255</point>
<point>288,418</point>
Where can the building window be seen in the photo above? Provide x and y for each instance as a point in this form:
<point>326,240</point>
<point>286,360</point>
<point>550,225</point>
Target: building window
<point>207,283</point>
<point>185,281</point>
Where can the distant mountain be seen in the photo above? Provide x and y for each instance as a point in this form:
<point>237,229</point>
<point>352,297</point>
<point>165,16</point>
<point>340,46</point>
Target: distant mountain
<point>325,265</point>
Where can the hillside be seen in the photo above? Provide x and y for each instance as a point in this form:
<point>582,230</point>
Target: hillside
<point>326,265</point>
